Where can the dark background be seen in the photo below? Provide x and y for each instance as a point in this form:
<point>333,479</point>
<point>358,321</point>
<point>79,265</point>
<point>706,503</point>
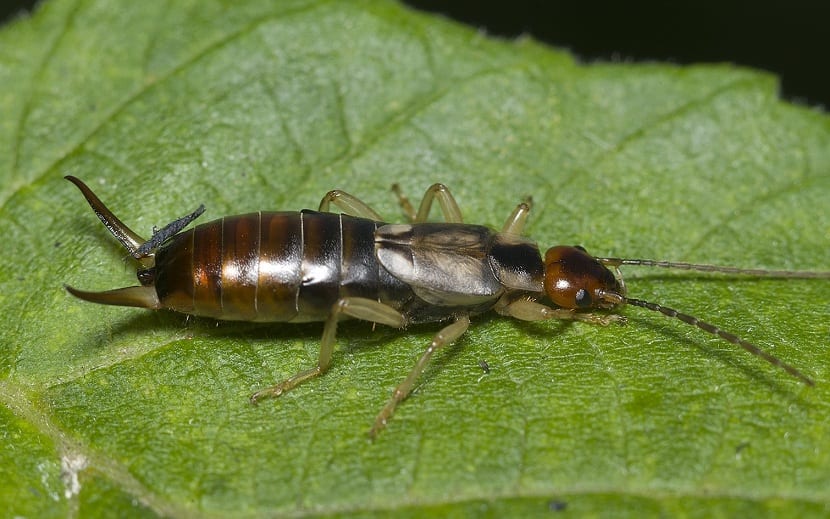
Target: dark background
<point>789,38</point>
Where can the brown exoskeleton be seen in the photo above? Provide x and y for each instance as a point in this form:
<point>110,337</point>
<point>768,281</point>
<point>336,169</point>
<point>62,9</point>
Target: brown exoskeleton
<point>320,266</point>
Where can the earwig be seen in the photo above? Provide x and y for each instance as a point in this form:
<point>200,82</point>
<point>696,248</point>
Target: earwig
<point>321,266</point>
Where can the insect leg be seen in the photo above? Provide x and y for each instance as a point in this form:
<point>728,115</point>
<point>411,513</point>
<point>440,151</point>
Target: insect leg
<point>440,192</point>
<point>515,223</point>
<point>356,307</point>
<point>446,336</point>
<point>525,310</point>
<point>405,204</point>
<point>349,204</point>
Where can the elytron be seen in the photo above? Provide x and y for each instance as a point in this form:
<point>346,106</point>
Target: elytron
<point>321,266</point>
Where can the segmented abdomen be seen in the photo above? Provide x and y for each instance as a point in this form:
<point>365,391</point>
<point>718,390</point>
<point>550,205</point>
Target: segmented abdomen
<point>273,267</point>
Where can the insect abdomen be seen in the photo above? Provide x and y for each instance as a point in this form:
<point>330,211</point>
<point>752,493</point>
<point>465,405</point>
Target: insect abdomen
<point>270,267</point>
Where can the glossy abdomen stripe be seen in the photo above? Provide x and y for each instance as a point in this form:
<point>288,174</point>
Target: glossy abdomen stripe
<point>270,266</point>
<point>280,256</point>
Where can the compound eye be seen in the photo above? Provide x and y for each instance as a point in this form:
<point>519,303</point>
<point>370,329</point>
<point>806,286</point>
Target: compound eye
<point>583,298</point>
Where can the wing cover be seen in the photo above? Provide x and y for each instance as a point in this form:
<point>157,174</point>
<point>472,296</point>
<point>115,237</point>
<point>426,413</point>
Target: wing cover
<point>444,264</point>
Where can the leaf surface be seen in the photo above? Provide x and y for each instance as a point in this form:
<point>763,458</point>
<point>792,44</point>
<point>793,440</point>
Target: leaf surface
<point>162,106</point>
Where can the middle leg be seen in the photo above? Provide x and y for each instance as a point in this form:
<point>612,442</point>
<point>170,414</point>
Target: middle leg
<point>447,335</point>
<point>440,192</point>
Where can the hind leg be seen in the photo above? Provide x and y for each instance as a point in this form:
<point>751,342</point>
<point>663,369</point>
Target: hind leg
<point>349,204</point>
<point>355,307</point>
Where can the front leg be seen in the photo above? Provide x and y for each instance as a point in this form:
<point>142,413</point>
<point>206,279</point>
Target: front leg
<point>526,310</point>
<point>515,223</point>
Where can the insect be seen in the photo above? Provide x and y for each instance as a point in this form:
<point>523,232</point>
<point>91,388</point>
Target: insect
<point>321,266</point>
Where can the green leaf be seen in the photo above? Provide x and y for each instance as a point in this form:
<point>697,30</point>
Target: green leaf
<point>161,106</point>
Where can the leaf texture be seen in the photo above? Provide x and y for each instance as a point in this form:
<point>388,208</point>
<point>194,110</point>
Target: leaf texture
<point>162,106</point>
